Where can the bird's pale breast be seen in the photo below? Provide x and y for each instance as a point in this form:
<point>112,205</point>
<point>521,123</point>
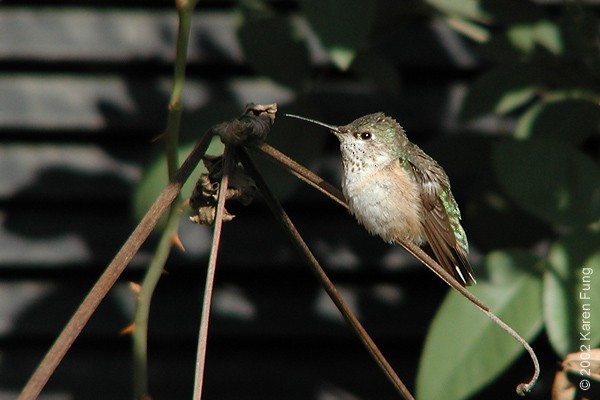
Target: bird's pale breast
<point>387,203</point>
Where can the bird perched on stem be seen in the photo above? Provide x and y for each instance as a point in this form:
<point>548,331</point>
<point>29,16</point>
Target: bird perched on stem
<point>398,192</point>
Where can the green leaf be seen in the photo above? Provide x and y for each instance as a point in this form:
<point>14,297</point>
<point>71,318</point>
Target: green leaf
<point>341,27</point>
<point>515,98</point>
<point>493,220</point>
<point>571,289</point>
<point>464,350</point>
<point>155,179</point>
<point>471,9</point>
<point>549,179</point>
<point>527,120</point>
<point>500,90</point>
<point>526,36</point>
<point>548,35</point>
<point>572,120</point>
<point>272,47</point>
<point>521,36</point>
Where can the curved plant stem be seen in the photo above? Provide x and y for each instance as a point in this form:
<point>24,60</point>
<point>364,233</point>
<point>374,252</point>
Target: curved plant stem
<point>144,299</point>
<point>302,173</point>
<point>112,272</point>
<point>210,276</point>
<point>185,10</point>
<point>335,194</point>
<point>419,254</point>
<point>329,287</point>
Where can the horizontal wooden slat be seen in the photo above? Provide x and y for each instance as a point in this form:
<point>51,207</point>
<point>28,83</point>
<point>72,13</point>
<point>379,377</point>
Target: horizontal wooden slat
<point>110,35</point>
<point>88,238</point>
<point>266,370</point>
<point>295,370</point>
<point>64,171</point>
<point>264,307</point>
<point>91,103</point>
<point>127,108</point>
<point>51,35</point>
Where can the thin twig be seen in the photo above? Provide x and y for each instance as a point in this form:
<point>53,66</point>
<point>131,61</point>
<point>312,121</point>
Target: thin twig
<point>110,275</point>
<point>144,299</point>
<point>433,265</point>
<point>302,173</point>
<point>332,192</point>
<point>329,287</point>
<point>185,10</point>
<point>210,275</point>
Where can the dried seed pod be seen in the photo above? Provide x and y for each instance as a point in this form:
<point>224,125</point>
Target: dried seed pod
<point>206,192</point>
<point>253,126</point>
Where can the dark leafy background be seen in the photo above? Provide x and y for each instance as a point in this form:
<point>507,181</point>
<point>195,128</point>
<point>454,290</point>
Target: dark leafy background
<point>503,93</point>
<point>536,184</point>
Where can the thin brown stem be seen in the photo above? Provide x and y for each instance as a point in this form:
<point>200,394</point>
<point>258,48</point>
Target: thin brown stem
<point>144,300</point>
<point>302,173</point>
<point>210,275</point>
<point>110,275</point>
<point>157,264</point>
<point>419,254</point>
<point>333,193</point>
<point>322,277</point>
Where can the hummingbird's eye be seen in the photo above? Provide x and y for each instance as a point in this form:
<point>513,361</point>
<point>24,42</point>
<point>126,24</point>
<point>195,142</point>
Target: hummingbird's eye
<point>365,135</point>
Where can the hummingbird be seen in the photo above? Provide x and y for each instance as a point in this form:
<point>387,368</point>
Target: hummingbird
<point>398,192</point>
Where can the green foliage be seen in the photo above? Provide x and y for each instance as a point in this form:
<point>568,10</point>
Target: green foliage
<point>566,295</point>
<point>465,350</point>
<point>534,184</point>
<point>544,77</point>
<point>543,33</point>
<point>550,179</point>
<point>155,179</point>
<point>501,90</point>
<point>342,29</point>
<point>470,9</point>
<point>561,118</point>
<point>273,46</point>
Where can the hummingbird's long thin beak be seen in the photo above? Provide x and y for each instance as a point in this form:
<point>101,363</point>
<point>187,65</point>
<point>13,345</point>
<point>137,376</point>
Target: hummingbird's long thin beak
<point>332,127</point>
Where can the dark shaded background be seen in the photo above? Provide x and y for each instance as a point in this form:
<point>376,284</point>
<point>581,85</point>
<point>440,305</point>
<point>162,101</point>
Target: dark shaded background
<point>83,91</point>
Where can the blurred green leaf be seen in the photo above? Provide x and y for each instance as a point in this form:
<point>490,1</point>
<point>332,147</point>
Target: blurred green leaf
<point>273,48</point>
<point>565,292</point>
<point>500,90</point>
<point>548,35</point>
<point>550,179</point>
<point>341,27</point>
<point>464,350</point>
<point>515,98</point>
<point>491,219</point>
<point>471,9</point>
<point>544,33</point>
<point>526,121</point>
<point>572,120</point>
<point>494,221</point>
<point>155,179</point>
